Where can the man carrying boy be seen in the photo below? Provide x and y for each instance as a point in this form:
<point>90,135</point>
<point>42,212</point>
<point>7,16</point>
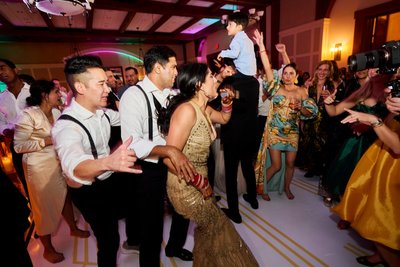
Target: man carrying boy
<point>239,136</point>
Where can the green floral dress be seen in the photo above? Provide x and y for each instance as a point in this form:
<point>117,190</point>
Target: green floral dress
<point>281,133</point>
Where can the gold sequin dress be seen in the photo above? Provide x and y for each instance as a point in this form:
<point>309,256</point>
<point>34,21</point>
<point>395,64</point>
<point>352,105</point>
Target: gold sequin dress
<point>216,242</point>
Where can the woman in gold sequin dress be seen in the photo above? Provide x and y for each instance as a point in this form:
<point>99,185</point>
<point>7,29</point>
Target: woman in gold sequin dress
<point>187,122</point>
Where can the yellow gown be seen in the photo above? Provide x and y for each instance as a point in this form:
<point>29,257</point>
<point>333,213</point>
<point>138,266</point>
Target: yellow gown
<point>371,202</point>
<point>216,242</point>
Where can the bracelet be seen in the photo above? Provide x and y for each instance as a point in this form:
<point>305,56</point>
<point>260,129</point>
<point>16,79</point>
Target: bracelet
<point>377,123</point>
<point>261,51</point>
<point>227,108</point>
<point>219,81</point>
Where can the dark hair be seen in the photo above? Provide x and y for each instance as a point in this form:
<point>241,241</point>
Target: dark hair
<point>157,54</point>
<point>374,87</point>
<point>292,65</point>
<point>8,63</point>
<point>239,18</point>
<point>26,78</point>
<point>189,79</point>
<point>78,65</point>
<point>132,68</point>
<point>37,90</point>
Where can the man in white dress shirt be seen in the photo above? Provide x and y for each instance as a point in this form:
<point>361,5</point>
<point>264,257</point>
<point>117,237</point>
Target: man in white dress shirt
<point>12,102</point>
<point>81,138</point>
<point>139,119</point>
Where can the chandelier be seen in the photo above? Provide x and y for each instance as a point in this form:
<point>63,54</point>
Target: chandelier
<point>253,15</point>
<point>60,7</point>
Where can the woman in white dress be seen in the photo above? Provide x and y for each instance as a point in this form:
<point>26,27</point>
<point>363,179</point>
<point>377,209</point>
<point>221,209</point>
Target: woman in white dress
<point>46,186</point>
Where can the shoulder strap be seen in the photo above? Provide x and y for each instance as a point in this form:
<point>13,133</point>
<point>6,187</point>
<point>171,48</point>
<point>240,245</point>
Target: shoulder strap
<point>108,118</point>
<point>149,113</point>
<point>92,146</point>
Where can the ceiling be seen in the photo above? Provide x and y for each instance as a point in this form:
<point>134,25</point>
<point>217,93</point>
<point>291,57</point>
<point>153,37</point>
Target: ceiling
<point>121,21</point>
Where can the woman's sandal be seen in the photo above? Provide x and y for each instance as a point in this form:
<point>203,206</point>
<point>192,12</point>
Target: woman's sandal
<point>343,224</point>
<point>265,197</point>
<point>289,195</point>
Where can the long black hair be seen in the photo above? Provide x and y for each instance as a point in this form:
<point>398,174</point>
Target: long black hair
<point>190,77</point>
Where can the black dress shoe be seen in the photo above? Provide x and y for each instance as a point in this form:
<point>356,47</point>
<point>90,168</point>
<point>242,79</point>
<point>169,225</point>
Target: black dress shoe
<point>253,202</point>
<point>364,261</point>
<point>235,217</point>
<point>183,254</point>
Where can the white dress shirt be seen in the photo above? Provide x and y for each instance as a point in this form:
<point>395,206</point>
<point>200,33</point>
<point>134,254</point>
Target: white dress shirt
<point>11,107</point>
<point>72,143</point>
<point>134,118</point>
<point>263,106</point>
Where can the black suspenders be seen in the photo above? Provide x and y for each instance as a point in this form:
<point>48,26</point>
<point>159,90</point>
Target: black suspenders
<point>150,114</point>
<point>92,146</point>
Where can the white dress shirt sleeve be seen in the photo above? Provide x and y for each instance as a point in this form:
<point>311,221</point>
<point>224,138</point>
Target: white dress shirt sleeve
<point>234,49</point>
<point>134,121</point>
<point>68,140</point>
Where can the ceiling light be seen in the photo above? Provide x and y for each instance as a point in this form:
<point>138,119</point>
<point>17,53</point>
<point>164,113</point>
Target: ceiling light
<point>253,15</point>
<point>60,7</point>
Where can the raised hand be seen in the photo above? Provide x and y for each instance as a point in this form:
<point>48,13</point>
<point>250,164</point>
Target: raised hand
<point>393,104</point>
<point>258,38</point>
<point>123,158</point>
<point>281,48</point>
<point>219,57</point>
<point>217,63</point>
<point>328,97</point>
<point>308,83</point>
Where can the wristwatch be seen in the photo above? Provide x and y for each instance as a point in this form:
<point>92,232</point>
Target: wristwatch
<point>377,123</point>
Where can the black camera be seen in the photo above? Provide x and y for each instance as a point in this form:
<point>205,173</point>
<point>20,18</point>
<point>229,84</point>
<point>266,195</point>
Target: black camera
<point>394,87</point>
<point>386,58</point>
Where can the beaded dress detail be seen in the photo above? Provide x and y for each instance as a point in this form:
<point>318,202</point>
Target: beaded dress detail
<point>216,242</point>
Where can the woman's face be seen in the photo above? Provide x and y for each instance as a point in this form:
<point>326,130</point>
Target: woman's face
<point>323,72</point>
<point>54,97</point>
<point>208,86</point>
<point>289,76</point>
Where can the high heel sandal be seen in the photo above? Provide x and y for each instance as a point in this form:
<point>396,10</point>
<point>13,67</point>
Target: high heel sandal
<point>266,197</point>
<point>289,195</point>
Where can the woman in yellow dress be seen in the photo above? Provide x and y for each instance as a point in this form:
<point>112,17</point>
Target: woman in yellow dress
<point>371,201</point>
<point>187,122</point>
<point>46,186</point>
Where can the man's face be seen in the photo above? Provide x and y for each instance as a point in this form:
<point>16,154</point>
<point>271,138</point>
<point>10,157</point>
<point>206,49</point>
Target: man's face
<point>7,74</point>
<point>131,77</point>
<point>111,81</point>
<point>169,73</point>
<point>95,91</point>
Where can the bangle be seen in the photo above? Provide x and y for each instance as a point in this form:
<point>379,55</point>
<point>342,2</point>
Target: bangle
<point>227,108</point>
<point>261,51</point>
<point>377,123</point>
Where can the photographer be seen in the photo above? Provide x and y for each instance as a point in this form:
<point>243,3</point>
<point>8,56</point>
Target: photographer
<point>372,198</point>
